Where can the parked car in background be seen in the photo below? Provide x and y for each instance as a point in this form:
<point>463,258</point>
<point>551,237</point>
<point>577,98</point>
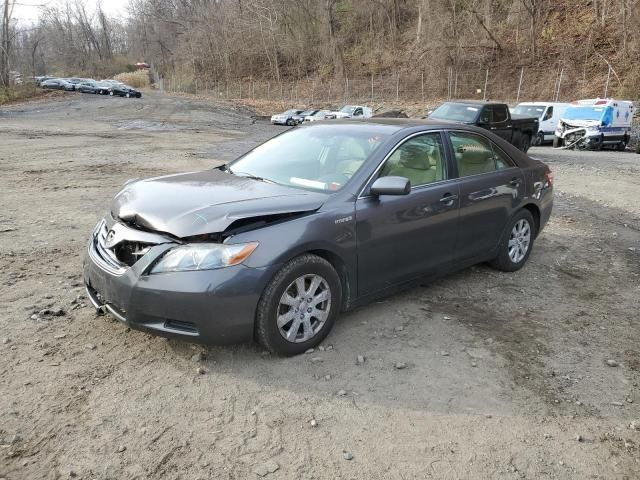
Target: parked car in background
<point>321,219</point>
<point>76,81</point>
<point>319,115</point>
<point>42,78</point>
<point>124,91</point>
<point>495,117</point>
<point>285,118</point>
<point>57,84</point>
<point>103,88</point>
<point>302,115</point>
<point>595,123</point>
<point>88,86</point>
<point>352,111</point>
<point>548,115</point>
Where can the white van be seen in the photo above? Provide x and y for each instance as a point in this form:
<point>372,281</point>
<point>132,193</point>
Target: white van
<point>595,123</point>
<point>548,115</point>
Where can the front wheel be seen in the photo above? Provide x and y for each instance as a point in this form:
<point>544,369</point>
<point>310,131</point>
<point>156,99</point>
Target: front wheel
<point>111,94</point>
<point>516,243</point>
<point>622,146</point>
<point>525,143</point>
<point>290,122</point>
<point>298,307</point>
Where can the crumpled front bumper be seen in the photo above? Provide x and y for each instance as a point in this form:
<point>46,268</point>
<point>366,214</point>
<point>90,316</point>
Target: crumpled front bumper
<point>211,307</point>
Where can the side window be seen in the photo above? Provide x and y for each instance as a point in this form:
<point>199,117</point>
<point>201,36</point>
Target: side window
<point>475,154</point>
<point>502,159</point>
<point>421,159</point>
<point>485,115</point>
<point>549,114</point>
<point>499,114</point>
<point>357,112</point>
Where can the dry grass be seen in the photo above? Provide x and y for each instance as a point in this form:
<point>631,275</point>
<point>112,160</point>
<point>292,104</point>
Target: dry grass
<point>139,79</point>
<point>18,93</point>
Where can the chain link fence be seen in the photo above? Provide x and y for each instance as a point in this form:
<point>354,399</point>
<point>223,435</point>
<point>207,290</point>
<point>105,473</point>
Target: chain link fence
<point>480,84</point>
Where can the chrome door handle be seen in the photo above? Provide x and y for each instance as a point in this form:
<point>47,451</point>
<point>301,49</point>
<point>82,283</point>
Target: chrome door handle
<point>448,199</point>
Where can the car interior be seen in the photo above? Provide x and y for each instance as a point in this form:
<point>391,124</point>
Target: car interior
<point>419,159</point>
<point>474,155</point>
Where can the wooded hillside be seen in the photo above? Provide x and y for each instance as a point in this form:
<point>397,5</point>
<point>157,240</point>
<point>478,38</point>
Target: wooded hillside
<point>404,48</point>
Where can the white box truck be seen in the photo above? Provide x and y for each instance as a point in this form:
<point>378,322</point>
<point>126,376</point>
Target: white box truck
<point>548,115</point>
<point>595,123</point>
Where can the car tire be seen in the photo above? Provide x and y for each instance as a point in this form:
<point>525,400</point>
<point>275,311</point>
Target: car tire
<point>283,289</point>
<point>510,256</point>
<point>290,123</point>
<point>525,144</point>
<point>128,95</point>
<point>111,94</point>
<point>622,146</point>
<point>539,140</point>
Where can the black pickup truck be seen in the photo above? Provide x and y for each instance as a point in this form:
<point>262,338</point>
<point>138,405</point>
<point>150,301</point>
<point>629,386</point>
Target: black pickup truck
<point>495,117</point>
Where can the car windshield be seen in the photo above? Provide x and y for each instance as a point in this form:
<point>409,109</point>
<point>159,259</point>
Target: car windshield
<point>456,112</point>
<point>584,113</point>
<point>348,109</point>
<point>321,158</point>
<point>530,110</point>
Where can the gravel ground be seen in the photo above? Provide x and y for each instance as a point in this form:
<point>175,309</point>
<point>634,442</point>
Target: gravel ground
<point>526,375</point>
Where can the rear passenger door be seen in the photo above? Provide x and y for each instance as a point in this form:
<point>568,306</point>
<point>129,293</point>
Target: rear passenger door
<point>491,187</point>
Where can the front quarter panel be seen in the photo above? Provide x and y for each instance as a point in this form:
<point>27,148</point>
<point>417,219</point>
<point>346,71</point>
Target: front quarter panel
<point>330,229</point>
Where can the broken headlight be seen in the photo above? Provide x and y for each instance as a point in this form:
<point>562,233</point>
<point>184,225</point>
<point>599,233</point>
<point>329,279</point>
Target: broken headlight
<point>203,256</point>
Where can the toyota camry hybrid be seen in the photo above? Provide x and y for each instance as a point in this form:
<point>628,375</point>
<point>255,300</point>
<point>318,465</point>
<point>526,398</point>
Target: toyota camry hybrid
<point>314,222</point>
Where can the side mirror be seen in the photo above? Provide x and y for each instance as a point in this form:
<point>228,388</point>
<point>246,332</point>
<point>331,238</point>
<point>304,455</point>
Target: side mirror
<point>391,186</point>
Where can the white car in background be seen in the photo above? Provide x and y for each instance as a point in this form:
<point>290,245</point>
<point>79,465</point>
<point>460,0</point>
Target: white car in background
<point>548,115</point>
<point>352,111</point>
<point>319,115</point>
<point>285,118</point>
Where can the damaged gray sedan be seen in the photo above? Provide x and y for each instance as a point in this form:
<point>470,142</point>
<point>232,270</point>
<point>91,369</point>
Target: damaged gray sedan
<point>274,245</point>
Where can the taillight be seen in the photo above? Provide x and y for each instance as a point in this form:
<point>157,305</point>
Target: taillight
<point>548,176</point>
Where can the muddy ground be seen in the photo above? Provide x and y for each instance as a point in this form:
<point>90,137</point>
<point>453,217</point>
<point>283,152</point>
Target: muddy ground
<point>506,376</point>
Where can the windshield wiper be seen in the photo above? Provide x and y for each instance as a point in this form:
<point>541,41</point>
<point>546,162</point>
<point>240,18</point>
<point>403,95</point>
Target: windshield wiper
<point>249,175</point>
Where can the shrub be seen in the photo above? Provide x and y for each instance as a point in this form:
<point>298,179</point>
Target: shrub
<point>138,79</point>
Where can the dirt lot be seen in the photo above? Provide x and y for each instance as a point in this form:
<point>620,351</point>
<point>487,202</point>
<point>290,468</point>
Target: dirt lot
<point>506,376</point>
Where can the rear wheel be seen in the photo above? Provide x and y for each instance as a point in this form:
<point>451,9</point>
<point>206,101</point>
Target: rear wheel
<point>516,243</point>
<point>539,140</point>
<point>128,95</point>
<point>290,122</point>
<point>298,307</point>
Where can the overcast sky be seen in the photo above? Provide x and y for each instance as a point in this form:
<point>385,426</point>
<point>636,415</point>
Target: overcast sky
<point>29,10</point>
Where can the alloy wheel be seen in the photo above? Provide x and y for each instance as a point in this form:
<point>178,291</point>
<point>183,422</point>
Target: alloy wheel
<point>304,308</point>
<point>519,240</point>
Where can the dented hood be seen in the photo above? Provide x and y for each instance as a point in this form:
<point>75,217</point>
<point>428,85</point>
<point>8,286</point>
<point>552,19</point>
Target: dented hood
<point>205,202</point>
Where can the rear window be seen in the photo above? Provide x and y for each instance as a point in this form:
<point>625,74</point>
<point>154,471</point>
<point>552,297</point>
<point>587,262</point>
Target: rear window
<point>456,112</point>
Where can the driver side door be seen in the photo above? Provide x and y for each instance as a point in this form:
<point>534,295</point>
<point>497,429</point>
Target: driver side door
<point>400,238</point>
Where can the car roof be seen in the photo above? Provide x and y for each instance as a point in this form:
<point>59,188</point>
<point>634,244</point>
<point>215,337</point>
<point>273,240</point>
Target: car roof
<point>476,103</point>
<point>397,125</point>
